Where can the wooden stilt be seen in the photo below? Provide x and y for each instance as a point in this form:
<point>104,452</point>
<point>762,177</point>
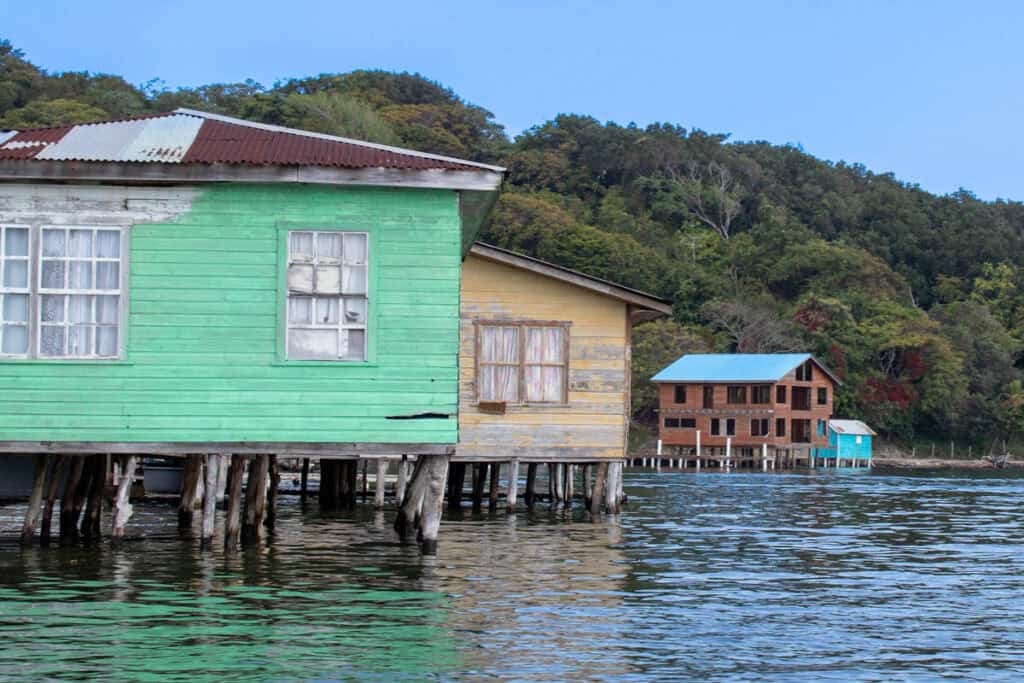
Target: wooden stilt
<point>570,475</point>
<point>587,485</point>
<point>402,480</point>
<point>436,472</point>
<point>35,501</point>
<point>255,498</point>
<point>350,470</point>
<point>304,481</point>
<point>191,473</point>
<point>328,495</point>
<point>530,495</point>
<point>366,485</point>
<point>378,482</point>
<point>212,473</point>
<point>611,496</point>
<point>91,520</point>
<point>274,471</point>
<point>122,505</point>
<point>513,486</point>
<point>492,497</point>
<point>54,474</point>
<point>456,482</point>
<point>411,506</point>
<point>599,486</point>
<point>233,521</point>
<point>68,513</point>
<point>479,480</point>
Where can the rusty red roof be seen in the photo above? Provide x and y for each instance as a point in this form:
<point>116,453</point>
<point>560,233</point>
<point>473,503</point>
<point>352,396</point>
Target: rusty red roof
<point>187,136</point>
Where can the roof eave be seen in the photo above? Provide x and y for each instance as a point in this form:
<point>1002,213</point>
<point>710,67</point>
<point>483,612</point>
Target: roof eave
<point>176,173</point>
<point>610,289</point>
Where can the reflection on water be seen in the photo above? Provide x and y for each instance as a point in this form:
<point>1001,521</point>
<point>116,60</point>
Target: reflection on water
<point>704,577</point>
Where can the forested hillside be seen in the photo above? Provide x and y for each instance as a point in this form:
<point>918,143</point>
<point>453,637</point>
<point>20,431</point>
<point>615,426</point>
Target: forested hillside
<point>914,299</point>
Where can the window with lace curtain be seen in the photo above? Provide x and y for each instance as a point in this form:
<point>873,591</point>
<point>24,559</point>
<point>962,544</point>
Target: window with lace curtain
<point>60,292</point>
<point>522,362</point>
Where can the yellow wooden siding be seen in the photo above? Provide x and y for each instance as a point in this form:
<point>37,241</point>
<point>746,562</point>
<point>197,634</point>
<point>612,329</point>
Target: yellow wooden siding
<point>592,424</point>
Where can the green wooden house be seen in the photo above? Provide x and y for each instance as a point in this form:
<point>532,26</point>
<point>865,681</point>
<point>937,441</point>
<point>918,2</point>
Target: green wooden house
<point>190,283</point>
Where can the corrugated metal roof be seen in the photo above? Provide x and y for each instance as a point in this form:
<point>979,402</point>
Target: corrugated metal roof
<point>850,427</point>
<point>731,367</point>
<point>187,136</point>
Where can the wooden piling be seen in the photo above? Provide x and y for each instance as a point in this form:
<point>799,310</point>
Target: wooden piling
<point>122,506</point>
<point>436,472</point>
<point>611,496</point>
<point>456,482</point>
<point>513,486</point>
<point>479,480</point>
<point>410,508</point>
<point>587,485</point>
<point>328,495</point>
<point>378,483</point>
<point>304,481</point>
<point>255,498</point>
<point>570,475</point>
<point>191,473</point>
<point>272,489</point>
<point>401,481</point>
<point>233,521</point>
<point>54,466</point>
<point>35,501</point>
<point>492,497</point>
<point>92,519</point>
<point>350,479</point>
<point>530,495</point>
<point>212,473</point>
<point>599,487</point>
<point>68,512</point>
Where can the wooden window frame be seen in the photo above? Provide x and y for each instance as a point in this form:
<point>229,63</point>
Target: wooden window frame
<point>760,422</point>
<point>822,396</point>
<point>780,394</point>
<point>765,389</point>
<point>35,291</point>
<point>523,325</point>
<point>805,371</point>
<point>677,389</point>
<point>715,427</point>
<point>708,396</point>
<point>730,426</point>
<point>780,426</point>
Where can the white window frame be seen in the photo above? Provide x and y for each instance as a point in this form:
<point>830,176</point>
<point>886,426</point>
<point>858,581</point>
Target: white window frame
<point>36,292</point>
<point>342,327</point>
<point>27,290</point>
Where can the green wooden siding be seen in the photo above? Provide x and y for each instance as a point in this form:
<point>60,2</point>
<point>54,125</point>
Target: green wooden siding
<point>203,359</point>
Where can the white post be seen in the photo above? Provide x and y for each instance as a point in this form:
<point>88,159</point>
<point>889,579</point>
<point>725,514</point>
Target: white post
<point>764,457</point>
<point>698,450</point>
<point>838,442</point>
<point>659,447</point>
<point>728,452</point>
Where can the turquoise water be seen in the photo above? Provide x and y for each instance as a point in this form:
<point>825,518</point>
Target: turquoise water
<point>842,576</point>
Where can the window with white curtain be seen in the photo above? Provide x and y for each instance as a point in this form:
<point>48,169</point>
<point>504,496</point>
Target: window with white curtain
<point>522,362</point>
<point>327,295</point>
<point>61,292</point>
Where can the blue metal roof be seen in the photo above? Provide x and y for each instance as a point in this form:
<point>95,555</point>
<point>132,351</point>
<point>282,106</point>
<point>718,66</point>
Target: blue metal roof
<point>731,367</point>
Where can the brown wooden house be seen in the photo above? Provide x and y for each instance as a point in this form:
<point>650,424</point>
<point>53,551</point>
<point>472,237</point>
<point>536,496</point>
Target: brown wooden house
<point>746,401</point>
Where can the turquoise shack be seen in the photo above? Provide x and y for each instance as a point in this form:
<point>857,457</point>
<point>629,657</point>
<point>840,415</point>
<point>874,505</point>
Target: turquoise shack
<point>849,442</point>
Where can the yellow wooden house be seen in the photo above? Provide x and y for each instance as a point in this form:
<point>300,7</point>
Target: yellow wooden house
<point>544,370</point>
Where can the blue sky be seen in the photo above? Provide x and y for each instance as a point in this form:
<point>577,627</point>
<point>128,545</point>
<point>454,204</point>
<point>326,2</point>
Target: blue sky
<point>932,91</point>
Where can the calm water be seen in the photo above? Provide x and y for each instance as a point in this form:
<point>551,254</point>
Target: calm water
<point>748,577</point>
